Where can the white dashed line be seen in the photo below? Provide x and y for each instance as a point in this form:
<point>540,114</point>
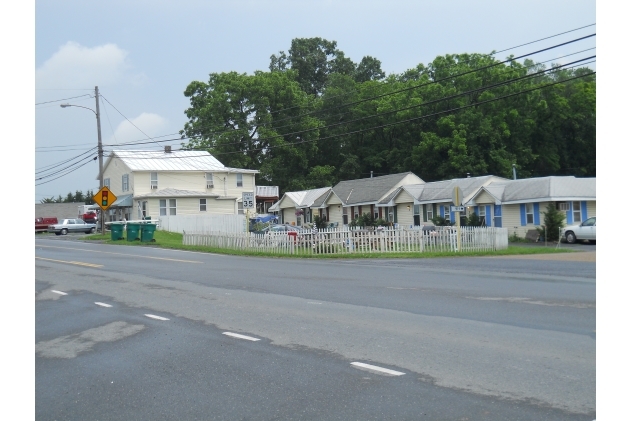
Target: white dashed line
<point>236,335</point>
<point>153,316</point>
<point>102,304</point>
<point>58,292</point>
<point>378,369</point>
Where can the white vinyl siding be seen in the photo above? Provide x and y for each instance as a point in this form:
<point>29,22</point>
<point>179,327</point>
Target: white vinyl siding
<point>405,215</point>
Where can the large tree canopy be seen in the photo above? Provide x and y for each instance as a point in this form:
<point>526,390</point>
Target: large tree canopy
<point>317,118</point>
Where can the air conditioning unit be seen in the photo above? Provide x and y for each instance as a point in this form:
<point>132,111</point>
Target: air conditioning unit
<point>154,187</point>
<point>563,206</point>
<point>209,186</point>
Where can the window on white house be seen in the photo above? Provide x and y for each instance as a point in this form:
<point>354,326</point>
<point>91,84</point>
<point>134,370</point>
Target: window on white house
<point>106,182</point>
<point>530,213</point>
<point>154,180</point>
<point>209,180</point>
<point>345,216</point>
<point>240,208</point>
<point>172,207</point>
<point>430,212</point>
<point>202,205</point>
<point>576,211</point>
<point>163,207</point>
<point>239,180</point>
<point>482,211</point>
<point>417,215</point>
<point>390,214</point>
<point>125,182</point>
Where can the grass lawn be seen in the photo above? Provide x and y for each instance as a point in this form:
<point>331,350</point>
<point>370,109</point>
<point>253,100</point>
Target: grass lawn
<point>171,240</point>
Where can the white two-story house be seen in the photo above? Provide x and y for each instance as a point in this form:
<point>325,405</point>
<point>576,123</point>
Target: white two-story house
<point>164,183</point>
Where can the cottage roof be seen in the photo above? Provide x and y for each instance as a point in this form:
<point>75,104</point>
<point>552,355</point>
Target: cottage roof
<point>366,190</point>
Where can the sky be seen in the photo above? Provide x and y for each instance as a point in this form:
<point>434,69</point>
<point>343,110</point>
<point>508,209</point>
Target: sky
<point>142,55</point>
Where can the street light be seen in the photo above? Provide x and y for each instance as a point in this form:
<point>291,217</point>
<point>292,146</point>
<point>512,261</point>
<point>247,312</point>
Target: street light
<point>100,145</point>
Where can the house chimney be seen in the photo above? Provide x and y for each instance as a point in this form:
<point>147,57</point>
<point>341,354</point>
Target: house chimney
<point>514,173</point>
<point>167,149</point>
<point>371,174</point>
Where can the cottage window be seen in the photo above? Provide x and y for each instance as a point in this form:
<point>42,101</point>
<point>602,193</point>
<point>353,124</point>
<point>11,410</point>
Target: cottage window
<point>172,207</point>
<point>417,215</point>
<point>239,180</point>
<point>106,182</point>
<point>447,214</point>
<point>530,213</point>
<point>163,207</point>
<point>345,216</point>
<point>576,211</point>
<point>209,180</point>
<point>430,212</point>
<point>482,215</point>
<point>202,205</point>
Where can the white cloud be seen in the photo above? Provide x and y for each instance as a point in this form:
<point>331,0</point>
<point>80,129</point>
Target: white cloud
<point>74,66</point>
<point>149,123</point>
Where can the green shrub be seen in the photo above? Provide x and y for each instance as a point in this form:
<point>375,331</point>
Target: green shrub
<point>553,220</point>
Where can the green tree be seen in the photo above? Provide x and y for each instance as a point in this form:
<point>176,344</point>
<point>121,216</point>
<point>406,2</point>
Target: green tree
<point>553,220</point>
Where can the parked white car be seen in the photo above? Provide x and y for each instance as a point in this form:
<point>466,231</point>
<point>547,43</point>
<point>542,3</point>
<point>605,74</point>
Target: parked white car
<point>71,225</point>
<point>584,231</point>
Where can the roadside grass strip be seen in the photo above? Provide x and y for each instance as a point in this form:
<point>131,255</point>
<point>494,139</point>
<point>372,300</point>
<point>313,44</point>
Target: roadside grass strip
<point>58,292</point>
<point>102,304</point>
<point>377,369</point>
<point>153,316</point>
<point>236,335</point>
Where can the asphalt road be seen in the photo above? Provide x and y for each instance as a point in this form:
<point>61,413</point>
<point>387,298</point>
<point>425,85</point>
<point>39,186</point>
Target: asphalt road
<point>475,338</point>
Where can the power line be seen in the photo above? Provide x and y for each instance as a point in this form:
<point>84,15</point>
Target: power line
<point>51,166</point>
<point>148,137</point>
<point>65,168</point>
<point>63,99</point>
<point>533,75</point>
<point>451,77</point>
<point>483,55</point>
<point>63,175</point>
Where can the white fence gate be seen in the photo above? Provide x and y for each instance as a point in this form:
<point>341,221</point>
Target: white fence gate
<point>204,224</point>
<point>342,241</point>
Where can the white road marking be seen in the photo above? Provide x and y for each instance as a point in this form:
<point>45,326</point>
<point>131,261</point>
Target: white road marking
<point>58,292</point>
<point>153,316</point>
<point>236,335</point>
<point>378,369</point>
<point>102,304</point>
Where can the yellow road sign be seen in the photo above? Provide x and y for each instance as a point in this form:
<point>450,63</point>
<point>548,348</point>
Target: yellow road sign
<point>104,198</point>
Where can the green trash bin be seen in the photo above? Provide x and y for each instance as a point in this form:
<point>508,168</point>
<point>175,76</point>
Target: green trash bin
<point>133,231</point>
<point>146,232</point>
<point>117,231</point>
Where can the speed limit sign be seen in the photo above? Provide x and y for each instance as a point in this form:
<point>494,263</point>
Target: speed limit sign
<point>248,200</point>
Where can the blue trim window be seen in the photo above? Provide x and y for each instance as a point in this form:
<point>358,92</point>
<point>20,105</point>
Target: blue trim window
<point>576,212</point>
<point>530,213</point>
<point>482,215</point>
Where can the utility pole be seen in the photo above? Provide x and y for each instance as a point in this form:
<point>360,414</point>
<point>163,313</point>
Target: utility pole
<point>100,152</point>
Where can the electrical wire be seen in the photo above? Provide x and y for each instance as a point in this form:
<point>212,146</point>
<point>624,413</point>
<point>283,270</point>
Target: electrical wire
<point>63,99</point>
<point>63,175</point>
<point>51,166</point>
<point>65,168</point>
<point>148,137</point>
<point>451,77</point>
<point>532,75</point>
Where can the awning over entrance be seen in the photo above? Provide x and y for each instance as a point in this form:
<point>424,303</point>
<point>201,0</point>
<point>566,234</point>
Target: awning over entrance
<point>123,202</point>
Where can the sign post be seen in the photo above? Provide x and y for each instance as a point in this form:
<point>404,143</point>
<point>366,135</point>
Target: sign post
<point>247,199</point>
<point>457,199</point>
<point>104,198</point>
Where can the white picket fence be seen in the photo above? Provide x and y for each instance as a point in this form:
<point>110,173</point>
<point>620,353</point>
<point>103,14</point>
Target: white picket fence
<point>204,224</point>
<point>342,241</point>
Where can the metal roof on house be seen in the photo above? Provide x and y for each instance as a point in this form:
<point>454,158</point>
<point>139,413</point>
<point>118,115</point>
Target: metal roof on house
<point>170,192</point>
<point>146,160</point>
<point>553,188</point>
<point>366,190</point>
<point>267,191</point>
<point>305,198</point>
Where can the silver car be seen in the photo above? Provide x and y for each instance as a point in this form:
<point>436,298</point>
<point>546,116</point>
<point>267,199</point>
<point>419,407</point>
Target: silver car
<point>71,225</point>
<point>584,231</point>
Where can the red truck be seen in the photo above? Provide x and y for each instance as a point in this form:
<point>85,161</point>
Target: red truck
<point>41,224</point>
